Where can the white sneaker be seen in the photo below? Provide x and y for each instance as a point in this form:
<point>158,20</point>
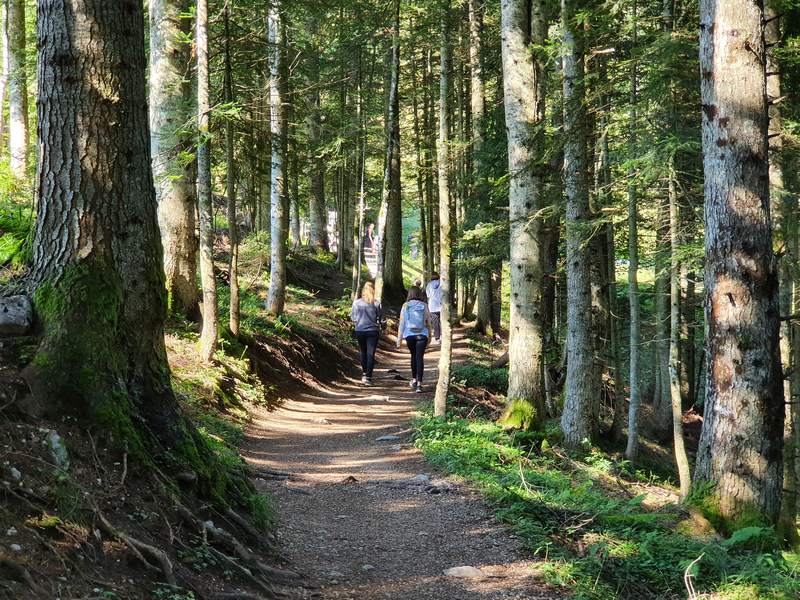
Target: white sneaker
<point>412,384</point>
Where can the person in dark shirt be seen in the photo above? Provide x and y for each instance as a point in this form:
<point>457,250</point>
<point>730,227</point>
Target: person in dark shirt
<point>366,315</point>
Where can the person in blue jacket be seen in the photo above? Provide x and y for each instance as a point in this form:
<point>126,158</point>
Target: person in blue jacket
<point>415,329</point>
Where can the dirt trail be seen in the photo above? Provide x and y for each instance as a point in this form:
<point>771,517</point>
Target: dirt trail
<point>365,519</point>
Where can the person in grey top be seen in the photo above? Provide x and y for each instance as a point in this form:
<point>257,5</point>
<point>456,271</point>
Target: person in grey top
<point>367,316</point>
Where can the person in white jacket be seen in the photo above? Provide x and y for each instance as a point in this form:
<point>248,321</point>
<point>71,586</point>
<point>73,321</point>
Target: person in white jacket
<point>434,295</point>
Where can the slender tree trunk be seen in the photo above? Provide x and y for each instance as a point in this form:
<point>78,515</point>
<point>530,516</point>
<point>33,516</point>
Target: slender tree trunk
<point>294,199</point>
<point>4,68</point>
<point>17,90</point>
<point>208,336</point>
<point>278,231</point>
<point>681,460</point>
<point>317,210</point>
<point>230,188</point>
<point>445,241</point>
<point>742,438</point>
<point>580,388</point>
<point>635,337</point>
<point>483,322</point>
<point>524,110</point>
<point>662,402</point>
<point>170,112</point>
<point>783,212</point>
<point>420,176</point>
<point>389,286</point>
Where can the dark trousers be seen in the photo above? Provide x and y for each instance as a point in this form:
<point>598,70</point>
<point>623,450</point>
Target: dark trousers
<point>436,321</point>
<point>367,343</point>
<point>417,345</point>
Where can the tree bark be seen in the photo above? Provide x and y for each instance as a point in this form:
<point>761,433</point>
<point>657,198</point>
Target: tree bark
<point>676,398</point>
<point>278,229</point>
<point>742,438</point>
<point>17,90</point>
<point>782,207</point>
<point>317,210</point>
<point>635,336</point>
<point>209,333</point>
<point>170,111</point>
<point>230,188</point>
<point>580,387</point>
<point>445,240</point>
<point>524,111</point>
<point>420,175</point>
<point>4,67</point>
<point>97,270</point>
<point>389,284</point>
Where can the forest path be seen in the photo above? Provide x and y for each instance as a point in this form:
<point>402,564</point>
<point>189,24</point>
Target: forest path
<point>365,519</point>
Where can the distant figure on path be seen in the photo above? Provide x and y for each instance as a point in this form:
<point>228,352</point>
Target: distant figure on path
<point>369,239</point>
<point>414,328</point>
<point>367,316</point>
<point>434,295</point>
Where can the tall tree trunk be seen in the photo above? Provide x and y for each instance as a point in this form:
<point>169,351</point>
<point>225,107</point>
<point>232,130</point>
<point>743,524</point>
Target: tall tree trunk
<point>662,403</point>
<point>4,68</point>
<point>742,438</point>
<point>420,175</point>
<point>278,230</point>
<point>97,272</point>
<point>581,389</point>
<point>483,323</point>
<point>230,188</point>
<point>208,336</point>
<point>294,198</point>
<point>17,90</point>
<point>784,219</point>
<point>445,240</point>
<point>317,210</point>
<point>389,286</point>
<point>635,336</point>
<point>681,460</point>
<point>170,110</point>
<point>524,110</point>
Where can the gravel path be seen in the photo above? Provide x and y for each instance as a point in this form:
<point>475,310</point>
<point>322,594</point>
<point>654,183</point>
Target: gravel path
<point>370,519</point>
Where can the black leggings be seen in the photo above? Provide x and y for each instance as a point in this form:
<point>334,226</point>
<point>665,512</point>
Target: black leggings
<point>367,342</point>
<point>417,345</point>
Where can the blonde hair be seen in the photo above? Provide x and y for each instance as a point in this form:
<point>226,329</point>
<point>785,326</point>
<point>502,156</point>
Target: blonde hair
<point>368,292</point>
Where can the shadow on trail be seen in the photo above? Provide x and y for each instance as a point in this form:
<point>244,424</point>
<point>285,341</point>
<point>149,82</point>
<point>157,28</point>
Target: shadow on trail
<point>360,511</point>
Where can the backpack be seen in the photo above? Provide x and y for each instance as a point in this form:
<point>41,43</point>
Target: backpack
<point>415,317</point>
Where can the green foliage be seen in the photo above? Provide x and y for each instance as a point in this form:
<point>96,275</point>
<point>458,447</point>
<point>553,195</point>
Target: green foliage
<point>474,375</point>
<point>199,556</point>
<point>519,414</point>
<point>597,545</point>
<point>163,591</point>
<point>15,235</point>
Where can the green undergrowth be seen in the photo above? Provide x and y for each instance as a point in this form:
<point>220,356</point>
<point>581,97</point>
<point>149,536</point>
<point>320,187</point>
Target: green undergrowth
<point>593,540</point>
<point>477,375</point>
<point>15,235</point>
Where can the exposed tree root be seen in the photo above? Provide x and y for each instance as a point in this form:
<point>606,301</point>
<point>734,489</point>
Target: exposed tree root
<point>141,550</point>
<point>220,537</point>
<point>247,573</point>
<point>19,573</point>
<point>243,596</point>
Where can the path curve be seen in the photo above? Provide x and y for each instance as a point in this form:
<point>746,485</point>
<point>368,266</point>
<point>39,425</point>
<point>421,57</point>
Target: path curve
<point>364,519</point>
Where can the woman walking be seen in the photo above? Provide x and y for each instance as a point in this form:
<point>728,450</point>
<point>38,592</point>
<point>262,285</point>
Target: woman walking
<point>367,316</point>
<point>414,328</point>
